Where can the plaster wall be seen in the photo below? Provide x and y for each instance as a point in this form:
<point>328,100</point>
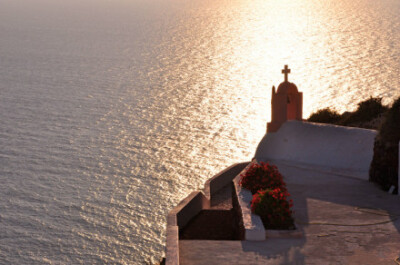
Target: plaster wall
<point>179,217</point>
<point>328,146</point>
<point>253,227</point>
<point>223,178</point>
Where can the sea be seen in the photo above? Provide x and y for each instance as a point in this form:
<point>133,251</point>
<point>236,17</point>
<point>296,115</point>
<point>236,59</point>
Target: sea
<point>112,111</point>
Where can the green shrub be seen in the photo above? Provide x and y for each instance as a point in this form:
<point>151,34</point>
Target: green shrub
<point>390,129</point>
<point>366,111</point>
<point>384,165</point>
<point>326,115</point>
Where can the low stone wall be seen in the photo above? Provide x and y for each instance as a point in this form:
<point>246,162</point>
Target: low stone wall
<point>222,179</point>
<point>253,228</point>
<point>172,245</point>
<point>179,217</point>
<point>251,224</point>
<point>189,207</point>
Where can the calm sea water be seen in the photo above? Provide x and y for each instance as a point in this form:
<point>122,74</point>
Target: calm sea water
<point>111,112</point>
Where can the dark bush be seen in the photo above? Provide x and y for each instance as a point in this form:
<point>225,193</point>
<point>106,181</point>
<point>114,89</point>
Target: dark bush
<point>366,111</point>
<point>384,165</point>
<point>368,115</point>
<point>326,115</point>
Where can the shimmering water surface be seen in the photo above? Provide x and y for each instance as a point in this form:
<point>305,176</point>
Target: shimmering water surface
<point>113,111</point>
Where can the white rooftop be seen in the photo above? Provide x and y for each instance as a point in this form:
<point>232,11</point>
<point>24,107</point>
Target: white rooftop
<point>328,147</point>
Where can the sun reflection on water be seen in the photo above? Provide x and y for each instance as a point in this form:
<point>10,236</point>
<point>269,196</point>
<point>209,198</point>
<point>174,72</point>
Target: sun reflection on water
<point>227,56</point>
<point>132,107</point>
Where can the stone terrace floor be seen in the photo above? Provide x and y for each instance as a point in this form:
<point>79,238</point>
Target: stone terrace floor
<point>344,220</point>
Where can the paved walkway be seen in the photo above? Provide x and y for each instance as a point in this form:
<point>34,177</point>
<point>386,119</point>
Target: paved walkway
<point>344,220</point>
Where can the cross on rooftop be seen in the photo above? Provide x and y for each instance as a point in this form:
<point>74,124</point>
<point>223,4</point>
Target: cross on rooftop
<point>286,71</point>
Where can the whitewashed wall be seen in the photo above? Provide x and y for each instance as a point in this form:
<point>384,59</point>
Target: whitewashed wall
<point>332,147</point>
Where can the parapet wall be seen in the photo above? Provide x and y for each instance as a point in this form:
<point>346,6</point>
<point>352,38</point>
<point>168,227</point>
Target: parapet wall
<point>189,207</point>
<point>222,179</point>
<point>331,147</point>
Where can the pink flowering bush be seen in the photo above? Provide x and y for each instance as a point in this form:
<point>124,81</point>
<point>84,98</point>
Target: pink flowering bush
<point>270,196</point>
<point>274,208</point>
<point>262,176</point>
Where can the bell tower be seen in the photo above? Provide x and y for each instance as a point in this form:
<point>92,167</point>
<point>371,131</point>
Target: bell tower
<point>286,104</point>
